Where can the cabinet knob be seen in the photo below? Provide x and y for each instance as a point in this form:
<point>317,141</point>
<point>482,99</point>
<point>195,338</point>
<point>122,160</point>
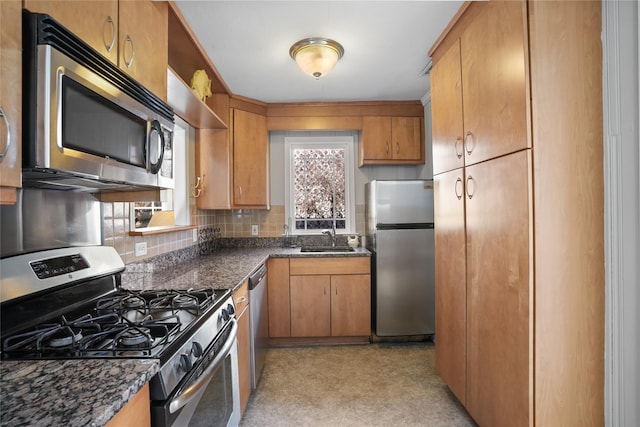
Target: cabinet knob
<point>109,44</point>
<point>470,187</point>
<point>459,144</point>
<point>129,61</point>
<point>468,146</point>
<point>459,185</point>
<point>8,133</point>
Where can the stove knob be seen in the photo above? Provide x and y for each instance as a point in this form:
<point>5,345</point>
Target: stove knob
<point>185,362</point>
<point>196,349</point>
<point>225,315</point>
<point>230,309</point>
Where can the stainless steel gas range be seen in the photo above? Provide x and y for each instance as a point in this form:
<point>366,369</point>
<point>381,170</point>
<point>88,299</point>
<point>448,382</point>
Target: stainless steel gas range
<point>68,303</point>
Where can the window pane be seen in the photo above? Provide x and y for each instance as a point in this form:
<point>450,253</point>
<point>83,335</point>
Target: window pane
<point>319,185</point>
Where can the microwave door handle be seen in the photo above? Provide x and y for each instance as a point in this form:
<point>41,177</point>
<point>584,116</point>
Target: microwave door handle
<point>154,126</point>
<point>187,395</point>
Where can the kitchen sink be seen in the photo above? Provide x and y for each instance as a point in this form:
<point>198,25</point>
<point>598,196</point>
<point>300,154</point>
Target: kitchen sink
<point>326,249</point>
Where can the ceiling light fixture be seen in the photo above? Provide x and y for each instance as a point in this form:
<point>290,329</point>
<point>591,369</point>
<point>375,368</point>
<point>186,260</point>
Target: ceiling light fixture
<point>316,56</point>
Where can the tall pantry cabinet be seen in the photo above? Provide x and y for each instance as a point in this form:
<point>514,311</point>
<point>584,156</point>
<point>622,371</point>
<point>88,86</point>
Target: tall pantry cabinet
<point>517,147</point>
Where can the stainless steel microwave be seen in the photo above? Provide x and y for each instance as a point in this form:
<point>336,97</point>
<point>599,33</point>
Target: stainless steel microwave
<point>87,125</point>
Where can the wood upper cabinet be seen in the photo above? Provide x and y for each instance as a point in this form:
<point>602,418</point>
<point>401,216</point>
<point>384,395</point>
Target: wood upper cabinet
<point>250,160</point>
<point>446,111</point>
<point>392,140</point>
<point>494,82</point>
<point>482,72</point>
<point>98,25</point>
<point>241,302</point>
<point>143,41</point>
<point>278,297</point>
<point>131,34</point>
<point>10,100</point>
<point>451,279</point>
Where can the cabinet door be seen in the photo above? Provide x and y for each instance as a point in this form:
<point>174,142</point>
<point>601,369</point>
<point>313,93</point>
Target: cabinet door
<point>499,291</point>
<point>250,160</point>
<point>278,297</point>
<point>451,286</point>
<point>10,99</point>
<point>408,143</point>
<point>494,82</point>
<point>95,22</point>
<point>376,138</point>
<point>143,41</point>
<point>446,111</point>
<point>241,302</point>
<point>310,306</point>
<point>351,305</point>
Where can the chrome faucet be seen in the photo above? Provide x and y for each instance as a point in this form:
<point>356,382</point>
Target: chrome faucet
<point>332,235</point>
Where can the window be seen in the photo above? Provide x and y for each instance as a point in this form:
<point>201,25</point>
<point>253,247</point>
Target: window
<point>320,179</point>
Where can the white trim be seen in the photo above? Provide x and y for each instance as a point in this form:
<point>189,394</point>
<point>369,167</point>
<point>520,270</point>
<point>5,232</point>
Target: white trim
<point>348,142</point>
<point>426,98</point>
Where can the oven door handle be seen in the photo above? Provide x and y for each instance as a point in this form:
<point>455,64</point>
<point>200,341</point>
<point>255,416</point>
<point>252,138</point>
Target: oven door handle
<point>187,395</point>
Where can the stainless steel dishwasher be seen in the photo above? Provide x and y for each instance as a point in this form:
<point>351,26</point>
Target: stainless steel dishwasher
<point>259,322</point>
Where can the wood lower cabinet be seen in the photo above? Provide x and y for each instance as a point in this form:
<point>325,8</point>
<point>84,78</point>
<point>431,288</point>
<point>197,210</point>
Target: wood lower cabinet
<point>131,34</point>
<point>451,277</point>
<point>330,297</point>
<point>278,297</point>
<point>319,297</point>
<point>10,100</point>
<point>241,301</point>
<point>136,412</point>
<point>392,140</point>
<point>519,225</point>
<point>310,306</point>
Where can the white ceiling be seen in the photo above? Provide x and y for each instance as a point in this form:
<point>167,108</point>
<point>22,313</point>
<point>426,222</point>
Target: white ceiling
<point>386,46</point>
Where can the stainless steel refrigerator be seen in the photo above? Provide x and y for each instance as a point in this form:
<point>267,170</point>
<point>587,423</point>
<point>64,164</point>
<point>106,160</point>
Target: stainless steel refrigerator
<point>400,235</point>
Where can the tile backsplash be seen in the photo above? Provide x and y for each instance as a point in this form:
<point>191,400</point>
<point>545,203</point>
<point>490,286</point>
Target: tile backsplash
<point>227,223</point>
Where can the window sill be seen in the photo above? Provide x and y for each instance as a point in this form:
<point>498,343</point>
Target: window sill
<point>161,229</point>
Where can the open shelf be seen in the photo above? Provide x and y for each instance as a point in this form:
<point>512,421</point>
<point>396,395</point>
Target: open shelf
<point>187,105</point>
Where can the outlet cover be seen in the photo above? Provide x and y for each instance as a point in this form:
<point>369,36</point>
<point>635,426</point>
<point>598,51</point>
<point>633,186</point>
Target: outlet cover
<point>141,248</point>
<point>255,229</point>
<point>195,234</point>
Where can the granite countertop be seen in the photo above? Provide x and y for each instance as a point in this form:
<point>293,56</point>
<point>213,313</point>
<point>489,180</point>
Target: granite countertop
<point>90,392</point>
<point>69,392</point>
<point>225,269</point>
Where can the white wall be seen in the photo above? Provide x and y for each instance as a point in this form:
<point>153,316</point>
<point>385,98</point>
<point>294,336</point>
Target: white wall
<point>621,88</point>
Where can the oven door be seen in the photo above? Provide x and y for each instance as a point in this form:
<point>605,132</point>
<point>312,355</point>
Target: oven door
<point>209,396</point>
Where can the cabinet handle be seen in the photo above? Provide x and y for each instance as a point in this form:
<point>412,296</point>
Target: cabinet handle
<point>130,61</point>
<point>240,187</point>
<point>336,288</point>
<point>196,190</point>
<point>387,147</point>
<point>109,45</point>
<point>8,142</point>
<point>459,194</point>
<point>468,147</point>
<point>397,148</point>
<point>470,188</point>
<point>325,288</point>
<point>459,143</point>
<point>241,300</point>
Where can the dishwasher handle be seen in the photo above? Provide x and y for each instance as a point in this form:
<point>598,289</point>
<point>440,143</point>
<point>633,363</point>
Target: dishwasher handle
<point>257,276</point>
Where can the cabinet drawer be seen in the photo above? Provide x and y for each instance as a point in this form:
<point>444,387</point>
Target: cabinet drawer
<point>320,265</point>
<point>241,298</point>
